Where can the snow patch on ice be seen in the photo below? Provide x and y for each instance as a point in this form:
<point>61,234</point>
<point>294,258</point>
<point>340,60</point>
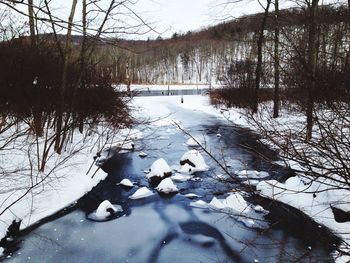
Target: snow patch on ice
<point>199,204</point>
<point>191,196</point>
<point>105,210</point>
<point>193,161</point>
<point>167,186</point>
<point>143,154</point>
<point>159,168</point>
<point>126,182</point>
<point>142,193</point>
<point>193,142</point>
<point>181,177</point>
<point>252,174</point>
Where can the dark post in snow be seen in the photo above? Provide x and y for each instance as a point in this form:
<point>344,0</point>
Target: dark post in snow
<point>128,81</point>
<point>182,99</point>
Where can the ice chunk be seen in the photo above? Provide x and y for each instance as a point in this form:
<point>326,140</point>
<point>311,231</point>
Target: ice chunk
<point>191,196</point>
<point>263,174</point>
<point>167,186</point>
<point>216,204</point>
<point>199,204</point>
<point>259,209</point>
<point>141,193</point>
<point>236,204</point>
<point>251,182</point>
<point>143,154</point>
<point>126,182</point>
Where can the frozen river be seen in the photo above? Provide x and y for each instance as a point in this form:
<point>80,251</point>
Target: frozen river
<point>167,228</point>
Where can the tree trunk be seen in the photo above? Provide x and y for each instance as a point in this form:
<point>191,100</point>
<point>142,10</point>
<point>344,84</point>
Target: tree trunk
<point>349,11</point>
<point>312,64</point>
<point>67,53</point>
<point>276,99</point>
<point>259,62</point>
<point>31,23</point>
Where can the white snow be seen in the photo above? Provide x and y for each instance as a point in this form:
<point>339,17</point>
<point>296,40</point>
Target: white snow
<point>236,204</point>
<point>252,174</point>
<point>196,158</point>
<point>233,205</point>
<point>159,169</point>
<point>142,193</point>
<point>101,212</point>
<point>193,142</point>
<point>259,209</point>
<point>251,182</point>
<point>199,204</point>
<point>191,196</point>
<point>126,182</point>
<point>314,197</point>
<point>143,154</point>
<point>181,177</point>
<point>167,186</point>
<point>216,204</point>
<point>33,195</point>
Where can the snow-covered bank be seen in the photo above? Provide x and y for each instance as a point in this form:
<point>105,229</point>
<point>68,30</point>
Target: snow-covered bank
<point>28,195</point>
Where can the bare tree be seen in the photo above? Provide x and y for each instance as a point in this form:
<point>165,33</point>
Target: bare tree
<point>276,100</point>
<point>258,69</point>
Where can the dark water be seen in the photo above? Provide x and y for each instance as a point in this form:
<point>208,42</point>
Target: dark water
<point>168,229</point>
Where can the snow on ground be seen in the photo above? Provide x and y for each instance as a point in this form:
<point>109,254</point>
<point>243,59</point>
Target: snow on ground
<point>29,195</point>
<point>314,197</point>
<point>167,186</point>
<point>142,193</point>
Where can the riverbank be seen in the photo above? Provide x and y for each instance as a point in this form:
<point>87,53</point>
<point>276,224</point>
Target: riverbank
<point>29,195</point>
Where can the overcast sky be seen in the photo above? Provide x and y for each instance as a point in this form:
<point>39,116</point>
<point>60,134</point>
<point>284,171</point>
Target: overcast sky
<point>170,16</point>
